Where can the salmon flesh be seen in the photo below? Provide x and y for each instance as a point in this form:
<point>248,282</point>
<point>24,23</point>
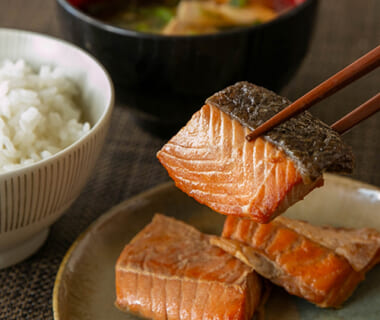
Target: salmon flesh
<point>171,271</point>
<point>323,265</point>
<point>210,160</point>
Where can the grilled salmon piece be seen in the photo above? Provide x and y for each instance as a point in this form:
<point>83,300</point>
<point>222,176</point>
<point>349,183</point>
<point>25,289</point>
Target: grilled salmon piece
<point>171,271</point>
<point>321,264</point>
<point>210,160</point>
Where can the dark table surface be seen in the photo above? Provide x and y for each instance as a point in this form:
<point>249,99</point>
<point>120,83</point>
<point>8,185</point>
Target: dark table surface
<point>346,29</point>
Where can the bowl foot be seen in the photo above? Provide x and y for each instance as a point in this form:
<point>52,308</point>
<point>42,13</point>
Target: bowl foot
<point>23,250</point>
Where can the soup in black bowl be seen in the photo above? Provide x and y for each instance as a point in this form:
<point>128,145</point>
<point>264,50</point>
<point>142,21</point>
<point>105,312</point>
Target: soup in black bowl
<point>163,79</point>
<point>182,17</point>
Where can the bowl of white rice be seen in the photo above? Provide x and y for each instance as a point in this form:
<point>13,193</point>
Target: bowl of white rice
<point>55,108</point>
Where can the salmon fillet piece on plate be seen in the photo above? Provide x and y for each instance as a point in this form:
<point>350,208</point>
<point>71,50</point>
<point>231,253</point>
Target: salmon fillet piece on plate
<point>210,159</point>
<point>323,265</point>
<point>171,271</point>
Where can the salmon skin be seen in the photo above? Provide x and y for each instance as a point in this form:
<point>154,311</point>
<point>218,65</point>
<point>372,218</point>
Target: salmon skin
<point>210,160</point>
<point>171,271</point>
<point>312,145</point>
<point>322,265</point>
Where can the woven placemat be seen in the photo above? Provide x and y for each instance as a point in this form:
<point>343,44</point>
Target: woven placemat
<point>345,30</point>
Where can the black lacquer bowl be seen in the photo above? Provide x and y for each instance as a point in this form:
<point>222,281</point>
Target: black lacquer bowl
<point>164,79</point>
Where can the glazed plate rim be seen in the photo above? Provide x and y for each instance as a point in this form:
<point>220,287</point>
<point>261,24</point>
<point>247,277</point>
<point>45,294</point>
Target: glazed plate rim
<point>109,214</point>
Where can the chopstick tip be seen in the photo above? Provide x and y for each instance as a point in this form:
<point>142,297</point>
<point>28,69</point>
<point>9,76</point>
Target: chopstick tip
<point>251,136</point>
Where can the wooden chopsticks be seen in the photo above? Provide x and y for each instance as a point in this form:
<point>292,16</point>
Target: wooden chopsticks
<point>356,116</point>
<point>352,72</point>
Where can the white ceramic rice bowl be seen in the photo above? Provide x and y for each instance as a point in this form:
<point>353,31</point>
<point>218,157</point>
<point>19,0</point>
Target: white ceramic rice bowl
<point>33,197</point>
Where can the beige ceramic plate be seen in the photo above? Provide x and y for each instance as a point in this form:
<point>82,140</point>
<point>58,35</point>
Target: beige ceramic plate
<point>84,287</point>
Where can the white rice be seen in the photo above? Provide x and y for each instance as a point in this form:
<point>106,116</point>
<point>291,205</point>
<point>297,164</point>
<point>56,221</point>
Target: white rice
<point>39,114</point>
